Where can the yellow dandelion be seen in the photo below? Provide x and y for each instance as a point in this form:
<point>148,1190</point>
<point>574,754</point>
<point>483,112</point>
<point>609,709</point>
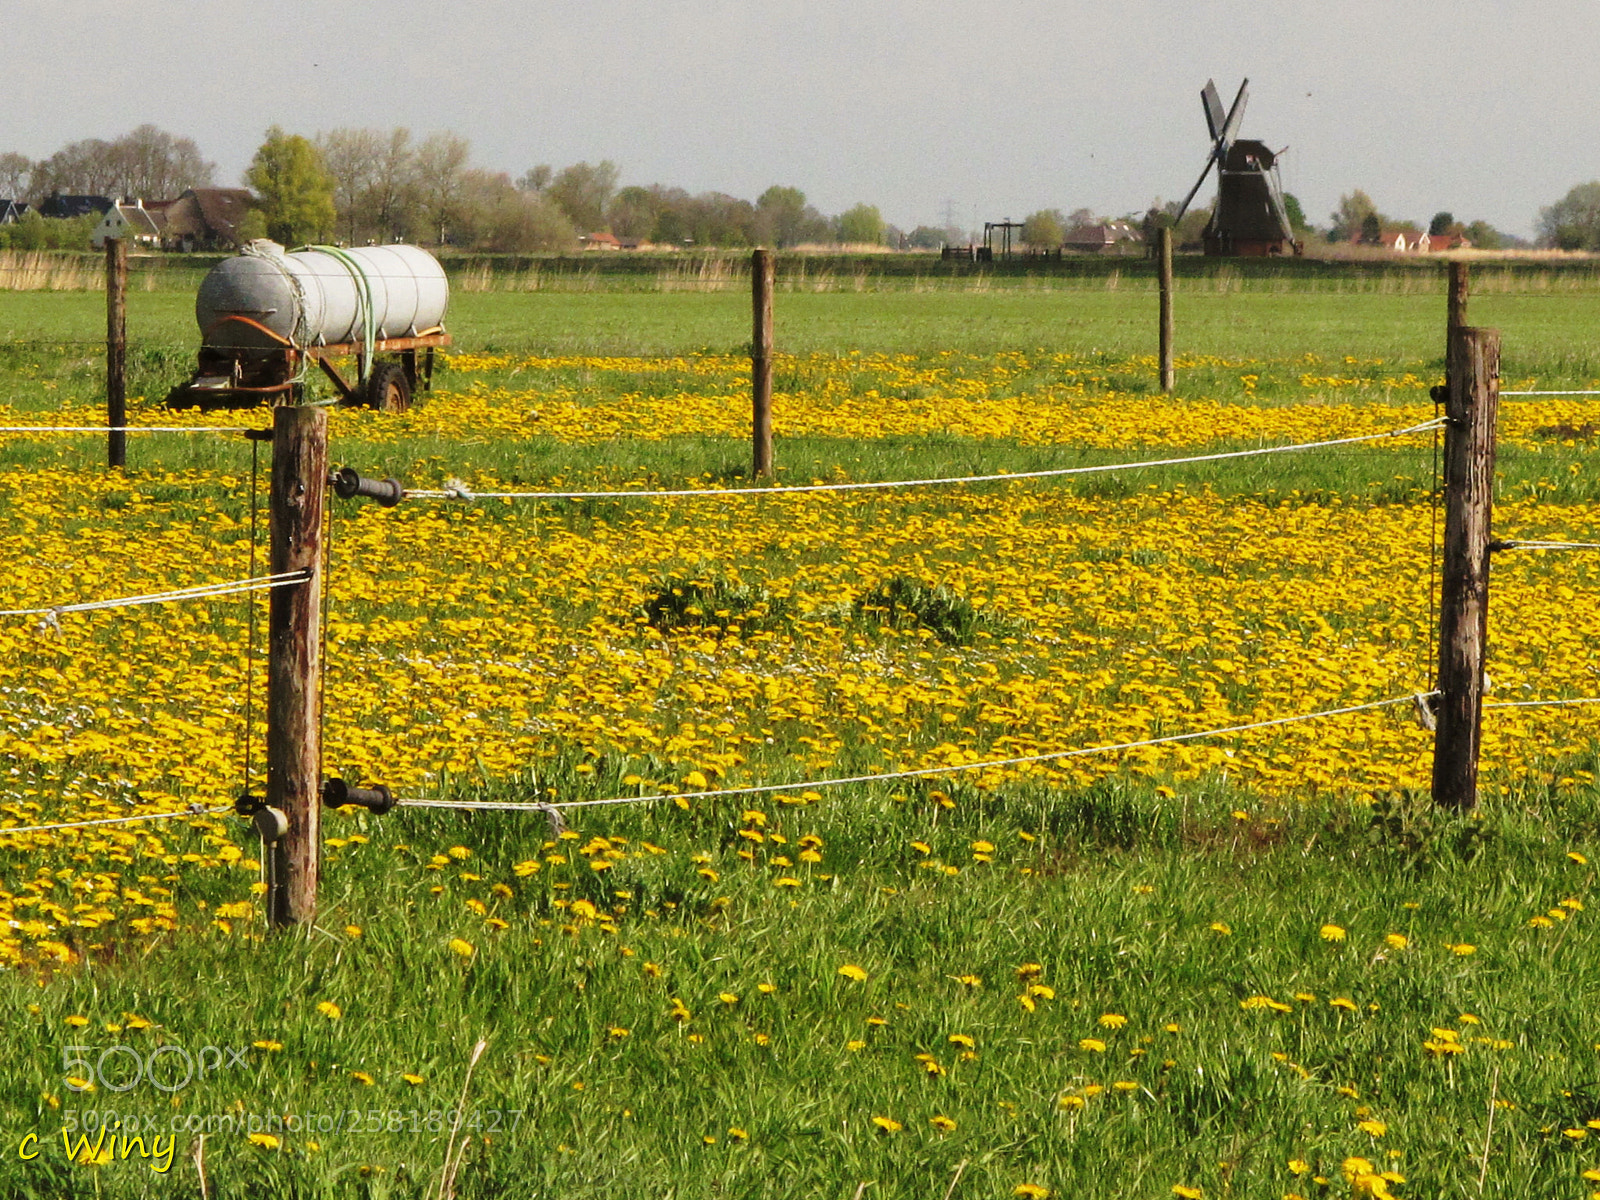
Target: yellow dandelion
<point>851,971</point>
<point>1331,933</point>
<point>330,1010</point>
<point>462,947</point>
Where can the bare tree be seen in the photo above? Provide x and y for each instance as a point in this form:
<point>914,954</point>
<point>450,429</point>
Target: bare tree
<point>147,163</point>
<point>351,157</point>
<point>157,166</point>
<point>14,171</point>
<point>394,186</point>
<point>441,162</point>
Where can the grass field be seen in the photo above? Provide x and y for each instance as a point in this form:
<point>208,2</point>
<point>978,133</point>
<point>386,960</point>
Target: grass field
<point>1256,965</point>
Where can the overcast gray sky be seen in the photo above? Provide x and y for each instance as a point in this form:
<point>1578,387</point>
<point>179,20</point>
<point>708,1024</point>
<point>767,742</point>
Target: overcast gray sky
<point>1489,110</point>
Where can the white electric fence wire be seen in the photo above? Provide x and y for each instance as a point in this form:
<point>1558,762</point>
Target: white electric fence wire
<point>1585,393</point>
<point>1540,703</point>
<point>125,429</point>
<point>199,592</point>
<point>1520,545</point>
<point>194,810</point>
<point>454,493</point>
<point>510,806</point>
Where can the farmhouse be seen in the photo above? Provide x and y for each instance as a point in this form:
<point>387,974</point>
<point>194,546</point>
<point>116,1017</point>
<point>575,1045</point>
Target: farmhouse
<point>11,211</point>
<point>204,219</point>
<point>1096,239</point>
<point>130,222</point>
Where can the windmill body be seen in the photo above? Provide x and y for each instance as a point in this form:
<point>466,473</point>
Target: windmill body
<point>1249,218</point>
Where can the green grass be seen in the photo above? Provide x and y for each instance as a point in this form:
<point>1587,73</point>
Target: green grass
<point>1115,891</point>
<point>1118,911</point>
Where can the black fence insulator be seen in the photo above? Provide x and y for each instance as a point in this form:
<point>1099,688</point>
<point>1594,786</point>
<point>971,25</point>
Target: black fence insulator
<point>336,793</point>
<point>1496,546</point>
<point>248,805</point>
<point>348,483</point>
<point>258,435</point>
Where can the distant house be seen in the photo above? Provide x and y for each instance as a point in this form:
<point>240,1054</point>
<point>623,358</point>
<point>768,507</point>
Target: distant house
<point>128,222</point>
<point>12,211</point>
<point>604,240</point>
<point>74,206</point>
<point>204,219</point>
<point>1096,239</point>
<point>1438,243</point>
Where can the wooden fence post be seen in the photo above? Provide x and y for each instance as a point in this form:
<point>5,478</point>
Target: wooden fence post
<point>1456,316</point>
<point>1168,377</point>
<point>116,351</point>
<point>1471,402</point>
<point>761,276</point>
<point>294,656</point>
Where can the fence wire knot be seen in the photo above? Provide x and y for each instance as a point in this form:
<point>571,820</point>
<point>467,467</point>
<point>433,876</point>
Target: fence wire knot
<point>558,823</point>
<point>1425,713</point>
<point>457,489</point>
<point>52,620</point>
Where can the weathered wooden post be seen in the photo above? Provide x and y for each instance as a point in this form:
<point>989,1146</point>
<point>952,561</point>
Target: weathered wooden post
<point>1168,377</point>
<point>294,656</point>
<point>1471,401</point>
<point>761,277</point>
<point>116,352</point>
<point>1457,313</point>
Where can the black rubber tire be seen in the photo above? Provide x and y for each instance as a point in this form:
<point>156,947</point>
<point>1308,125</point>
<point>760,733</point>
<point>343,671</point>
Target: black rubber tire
<point>388,390</point>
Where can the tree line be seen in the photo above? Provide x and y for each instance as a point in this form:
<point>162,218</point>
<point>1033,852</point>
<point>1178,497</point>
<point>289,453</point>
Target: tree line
<point>359,186</point>
<point>364,186</point>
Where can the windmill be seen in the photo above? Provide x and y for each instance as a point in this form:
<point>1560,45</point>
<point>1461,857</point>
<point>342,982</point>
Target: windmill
<point>1250,218</point>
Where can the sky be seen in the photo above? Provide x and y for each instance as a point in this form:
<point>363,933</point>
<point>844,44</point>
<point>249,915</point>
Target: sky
<point>1489,110</point>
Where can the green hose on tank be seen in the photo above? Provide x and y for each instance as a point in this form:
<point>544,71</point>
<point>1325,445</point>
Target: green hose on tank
<point>369,321</point>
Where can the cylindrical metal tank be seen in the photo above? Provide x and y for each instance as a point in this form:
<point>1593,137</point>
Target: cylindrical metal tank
<point>318,297</point>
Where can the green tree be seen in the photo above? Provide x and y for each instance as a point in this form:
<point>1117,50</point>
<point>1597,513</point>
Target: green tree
<point>927,237</point>
<point>1371,229</point>
<point>1045,228</point>
<point>293,191</point>
<point>1573,222</point>
<point>1484,236</point>
<point>860,226</point>
<point>632,213</point>
<point>1296,214</point>
<point>1347,220</point>
<point>582,191</point>
<point>1441,223</point>
<point>785,219</point>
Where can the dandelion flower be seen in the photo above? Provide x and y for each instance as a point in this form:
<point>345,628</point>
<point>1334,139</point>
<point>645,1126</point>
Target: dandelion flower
<point>1332,933</point>
<point>1032,1191</point>
<point>1092,1045</point>
<point>942,1123</point>
<point>413,1080</point>
<point>851,971</point>
<point>1113,1020</point>
<point>888,1124</point>
<point>462,947</point>
<point>330,1010</point>
<point>265,1140</point>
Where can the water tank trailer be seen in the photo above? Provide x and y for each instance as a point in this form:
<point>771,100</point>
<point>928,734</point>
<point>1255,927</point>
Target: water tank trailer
<point>267,315</point>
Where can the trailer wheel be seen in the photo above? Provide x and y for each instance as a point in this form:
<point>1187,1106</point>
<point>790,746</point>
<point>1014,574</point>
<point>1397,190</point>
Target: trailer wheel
<point>387,388</point>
